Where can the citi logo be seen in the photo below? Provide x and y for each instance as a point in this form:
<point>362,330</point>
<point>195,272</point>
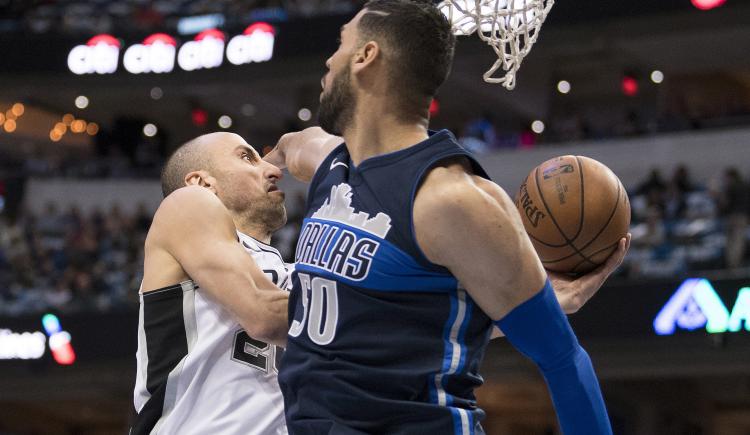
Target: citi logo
<point>158,52</point>
<point>696,304</point>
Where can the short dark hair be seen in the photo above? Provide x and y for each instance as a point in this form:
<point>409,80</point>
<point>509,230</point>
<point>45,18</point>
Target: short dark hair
<point>187,158</point>
<point>418,37</point>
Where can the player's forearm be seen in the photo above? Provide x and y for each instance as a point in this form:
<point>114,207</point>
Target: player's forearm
<point>303,151</point>
<point>239,285</point>
<point>269,324</point>
<point>539,329</point>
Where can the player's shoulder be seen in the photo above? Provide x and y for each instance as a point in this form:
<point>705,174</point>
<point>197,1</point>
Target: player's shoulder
<point>452,187</point>
<point>187,209</point>
<point>192,201</point>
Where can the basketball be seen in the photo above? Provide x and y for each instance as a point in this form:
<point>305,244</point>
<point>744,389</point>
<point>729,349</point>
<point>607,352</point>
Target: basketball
<point>575,210</point>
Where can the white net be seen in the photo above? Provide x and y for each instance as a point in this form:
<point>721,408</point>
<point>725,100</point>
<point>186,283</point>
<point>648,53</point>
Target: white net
<point>510,27</point>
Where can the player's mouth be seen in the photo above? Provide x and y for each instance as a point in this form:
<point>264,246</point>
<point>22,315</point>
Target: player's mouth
<point>275,188</point>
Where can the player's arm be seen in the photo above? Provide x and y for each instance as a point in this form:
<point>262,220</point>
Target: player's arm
<point>303,151</point>
<point>456,213</point>
<point>194,227</point>
<point>573,292</point>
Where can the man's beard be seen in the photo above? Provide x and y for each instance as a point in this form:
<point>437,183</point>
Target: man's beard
<point>268,216</point>
<point>337,106</point>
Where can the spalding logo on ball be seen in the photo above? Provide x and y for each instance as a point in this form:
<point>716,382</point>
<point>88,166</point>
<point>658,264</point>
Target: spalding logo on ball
<point>575,210</point>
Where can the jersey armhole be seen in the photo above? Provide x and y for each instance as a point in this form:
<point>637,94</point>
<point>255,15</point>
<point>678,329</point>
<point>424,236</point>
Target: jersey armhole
<point>477,170</point>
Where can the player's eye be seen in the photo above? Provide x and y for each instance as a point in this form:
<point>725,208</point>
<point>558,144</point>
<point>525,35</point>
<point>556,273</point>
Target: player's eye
<point>247,156</point>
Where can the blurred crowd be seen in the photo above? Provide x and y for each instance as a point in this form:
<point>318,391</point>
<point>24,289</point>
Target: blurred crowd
<point>108,16</point>
<point>70,261</point>
<point>482,134</point>
<point>680,226</point>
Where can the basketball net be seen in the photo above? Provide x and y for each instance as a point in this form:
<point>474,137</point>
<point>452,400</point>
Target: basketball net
<point>510,27</point>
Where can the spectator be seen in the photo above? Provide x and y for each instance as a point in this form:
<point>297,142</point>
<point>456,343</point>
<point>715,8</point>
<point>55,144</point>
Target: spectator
<point>734,205</point>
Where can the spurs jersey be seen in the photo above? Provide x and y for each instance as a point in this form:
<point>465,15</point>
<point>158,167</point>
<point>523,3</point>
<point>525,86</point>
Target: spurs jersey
<point>198,372</point>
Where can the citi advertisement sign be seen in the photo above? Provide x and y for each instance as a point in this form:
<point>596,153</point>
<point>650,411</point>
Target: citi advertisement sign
<point>32,345</point>
<point>159,52</point>
<point>696,304</point>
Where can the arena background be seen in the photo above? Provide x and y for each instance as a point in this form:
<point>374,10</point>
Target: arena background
<point>657,90</point>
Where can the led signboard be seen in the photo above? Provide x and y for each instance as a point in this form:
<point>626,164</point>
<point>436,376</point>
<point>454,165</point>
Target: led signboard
<point>696,304</point>
<point>32,345</point>
<point>159,52</point>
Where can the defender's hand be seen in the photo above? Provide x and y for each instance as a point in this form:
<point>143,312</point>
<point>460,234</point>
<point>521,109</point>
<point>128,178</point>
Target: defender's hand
<point>303,151</point>
<point>574,292</point>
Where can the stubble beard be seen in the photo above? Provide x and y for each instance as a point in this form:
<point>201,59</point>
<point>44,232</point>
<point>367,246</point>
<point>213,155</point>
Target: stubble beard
<point>336,111</point>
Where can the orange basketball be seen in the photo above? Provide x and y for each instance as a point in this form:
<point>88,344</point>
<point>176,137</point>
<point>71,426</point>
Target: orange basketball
<point>575,211</point>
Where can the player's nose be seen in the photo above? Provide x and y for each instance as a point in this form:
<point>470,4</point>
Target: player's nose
<point>272,171</point>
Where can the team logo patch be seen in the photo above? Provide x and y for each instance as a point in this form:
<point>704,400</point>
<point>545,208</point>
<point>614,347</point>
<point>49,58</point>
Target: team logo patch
<point>339,239</point>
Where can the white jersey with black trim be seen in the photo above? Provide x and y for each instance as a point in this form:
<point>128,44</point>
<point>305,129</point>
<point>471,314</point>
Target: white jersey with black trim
<point>198,372</point>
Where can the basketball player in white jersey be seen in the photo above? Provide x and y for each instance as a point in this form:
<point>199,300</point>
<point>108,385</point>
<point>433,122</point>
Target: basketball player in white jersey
<point>211,311</point>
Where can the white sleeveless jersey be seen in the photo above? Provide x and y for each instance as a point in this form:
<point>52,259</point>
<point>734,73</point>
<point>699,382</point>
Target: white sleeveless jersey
<point>198,372</point>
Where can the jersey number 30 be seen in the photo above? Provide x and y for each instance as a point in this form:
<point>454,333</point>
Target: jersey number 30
<point>317,294</point>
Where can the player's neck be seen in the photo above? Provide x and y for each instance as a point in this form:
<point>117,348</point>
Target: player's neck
<point>378,131</point>
<point>257,232</point>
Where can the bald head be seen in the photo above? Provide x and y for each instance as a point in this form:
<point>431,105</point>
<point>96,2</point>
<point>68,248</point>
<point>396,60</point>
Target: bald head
<point>195,155</point>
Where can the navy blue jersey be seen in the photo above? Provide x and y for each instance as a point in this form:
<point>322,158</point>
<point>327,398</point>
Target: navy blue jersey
<point>381,340</point>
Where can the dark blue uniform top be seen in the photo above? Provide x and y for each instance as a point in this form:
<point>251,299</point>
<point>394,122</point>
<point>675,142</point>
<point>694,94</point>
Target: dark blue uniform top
<point>381,340</point>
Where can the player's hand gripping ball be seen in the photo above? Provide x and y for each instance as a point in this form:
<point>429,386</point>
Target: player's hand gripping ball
<point>575,211</point>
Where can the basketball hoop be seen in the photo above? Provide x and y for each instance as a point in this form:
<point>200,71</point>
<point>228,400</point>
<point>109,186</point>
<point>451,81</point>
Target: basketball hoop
<point>510,27</point>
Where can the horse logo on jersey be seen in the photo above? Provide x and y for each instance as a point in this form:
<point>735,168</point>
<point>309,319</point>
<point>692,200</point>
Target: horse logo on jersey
<point>339,239</point>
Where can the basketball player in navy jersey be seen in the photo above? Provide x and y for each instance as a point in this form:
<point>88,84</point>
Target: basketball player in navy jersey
<point>409,255</point>
<point>210,309</point>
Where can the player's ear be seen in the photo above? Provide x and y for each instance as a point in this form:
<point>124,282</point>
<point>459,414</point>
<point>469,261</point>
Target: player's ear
<point>365,56</point>
<point>201,178</point>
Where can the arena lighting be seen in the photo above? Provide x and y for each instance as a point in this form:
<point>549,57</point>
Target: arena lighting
<point>248,109</point>
<point>82,102</point>
<point>150,130</point>
<point>92,129</point>
<point>706,5</point>
<point>67,119</point>
<point>225,121</point>
<point>59,340</point>
<point>18,109</point>
<point>696,304</point>
<point>657,76</point>
<point>304,114</point>
<point>156,93</point>
<point>78,126</point>
<point>434,107</point>
<point>563,87</point>
<point>629,86</point>
<point>537,127</point>
<point>199,117</point>
<point>9,125</point>
<point>198,23</point>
